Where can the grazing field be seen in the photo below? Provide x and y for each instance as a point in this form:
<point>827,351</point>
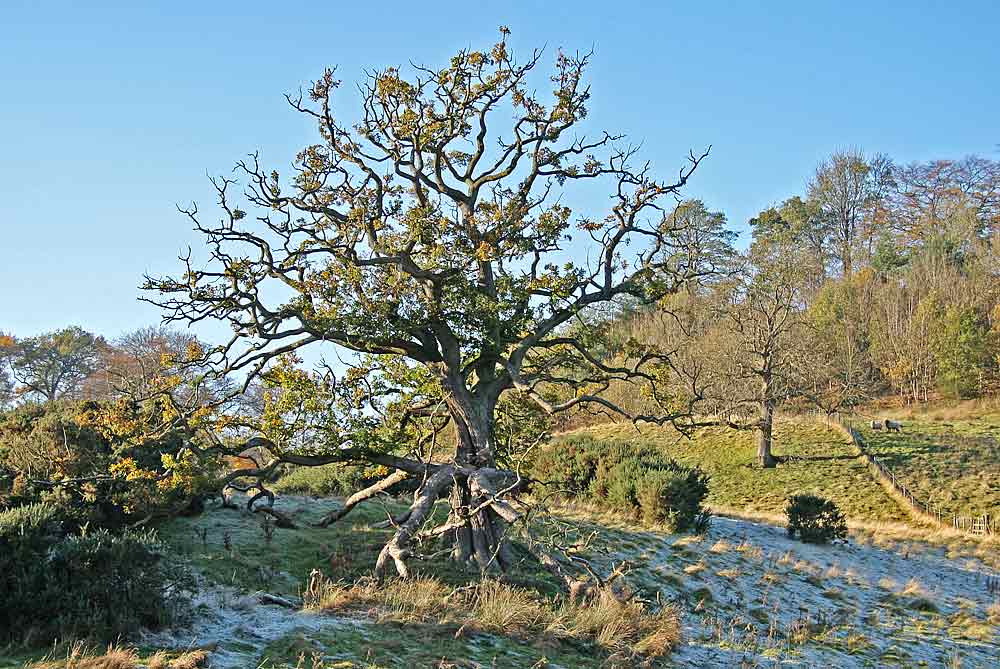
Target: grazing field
<point>952,462</point>
<point>818,459</point>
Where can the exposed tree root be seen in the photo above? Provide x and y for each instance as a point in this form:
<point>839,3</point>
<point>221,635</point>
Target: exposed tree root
<point>476,525</point>
<point>398,549</point>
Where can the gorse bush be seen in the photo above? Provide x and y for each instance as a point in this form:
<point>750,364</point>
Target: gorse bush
<point>95,584</point>
<point>814,519</point>
<point>109,585</point>
<point>28,522</point>
<point>58,453</point>
<point>636,479</point>
<point>44,443</point>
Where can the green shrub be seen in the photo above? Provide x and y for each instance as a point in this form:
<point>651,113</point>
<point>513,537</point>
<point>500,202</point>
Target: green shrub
<point>816,520</point>
<point>325,480</point>
<point>27,522</point>
<point>638,480</point>
<point>95,585</point>
<point>674,497</point>
<point>572,467</point>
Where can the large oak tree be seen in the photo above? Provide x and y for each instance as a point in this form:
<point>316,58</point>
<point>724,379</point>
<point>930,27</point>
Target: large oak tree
<point>432,240</point>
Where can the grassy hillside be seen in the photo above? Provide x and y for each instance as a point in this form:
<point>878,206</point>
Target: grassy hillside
<point>819,460</point>
<point>947,457</point>
<point>743,594</point>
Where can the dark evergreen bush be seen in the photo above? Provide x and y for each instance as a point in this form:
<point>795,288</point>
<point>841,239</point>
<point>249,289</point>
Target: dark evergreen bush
<point>636,479</point>
<point>571,466</point>
<point>674,497</point>
<point>814,519</point>
<point>94,585</point>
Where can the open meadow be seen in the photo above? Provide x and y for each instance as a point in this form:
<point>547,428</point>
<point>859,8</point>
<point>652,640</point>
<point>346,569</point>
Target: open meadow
<point>951,458</point>
<point>817,458</point>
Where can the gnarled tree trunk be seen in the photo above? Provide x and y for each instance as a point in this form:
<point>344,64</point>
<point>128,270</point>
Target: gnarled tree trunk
<point>479,517</point>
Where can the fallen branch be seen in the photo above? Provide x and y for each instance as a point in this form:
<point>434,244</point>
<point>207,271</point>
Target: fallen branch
<point>362,496</point>
<point>267,598</point>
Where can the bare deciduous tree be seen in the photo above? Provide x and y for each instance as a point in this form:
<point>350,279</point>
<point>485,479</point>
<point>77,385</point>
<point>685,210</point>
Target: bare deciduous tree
<point>760,341</point>
<point>931,196</point>
<point>851,190</point>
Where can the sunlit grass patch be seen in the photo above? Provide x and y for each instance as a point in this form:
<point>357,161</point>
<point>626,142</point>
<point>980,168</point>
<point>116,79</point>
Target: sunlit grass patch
<point>821,460</point>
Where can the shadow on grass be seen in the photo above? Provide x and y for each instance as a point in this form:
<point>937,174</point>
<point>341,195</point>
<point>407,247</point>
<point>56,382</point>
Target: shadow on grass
<point>412,644</point>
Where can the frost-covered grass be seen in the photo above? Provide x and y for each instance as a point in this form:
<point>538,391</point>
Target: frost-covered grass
<point>231,548</point>
<point>746,594</point>
<point>751,596</point>
<point>366,623</point>
<point>820,460</point>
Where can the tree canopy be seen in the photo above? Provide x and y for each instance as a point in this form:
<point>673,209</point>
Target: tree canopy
<point>50,365</point>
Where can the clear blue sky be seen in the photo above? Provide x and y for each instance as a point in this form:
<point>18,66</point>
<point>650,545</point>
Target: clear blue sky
<point>110,113</point>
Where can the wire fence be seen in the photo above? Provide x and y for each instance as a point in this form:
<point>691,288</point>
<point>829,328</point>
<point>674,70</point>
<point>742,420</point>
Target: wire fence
<point>976,525</point>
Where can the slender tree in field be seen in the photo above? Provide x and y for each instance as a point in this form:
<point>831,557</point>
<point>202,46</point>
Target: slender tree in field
<point>758,346</point>
<point>764,321</point>
<point>431,241</point>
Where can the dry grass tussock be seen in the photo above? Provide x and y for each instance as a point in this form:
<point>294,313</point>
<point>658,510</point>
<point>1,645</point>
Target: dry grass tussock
<point>993,613</point>
<point>192,659</point>
<point>914,588</point>
<point>750,551</point>
<point>966,626</point>
<point>695,568</point>
<point>720,546</point>
<point>620,625</point>
<point>82,656</point>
